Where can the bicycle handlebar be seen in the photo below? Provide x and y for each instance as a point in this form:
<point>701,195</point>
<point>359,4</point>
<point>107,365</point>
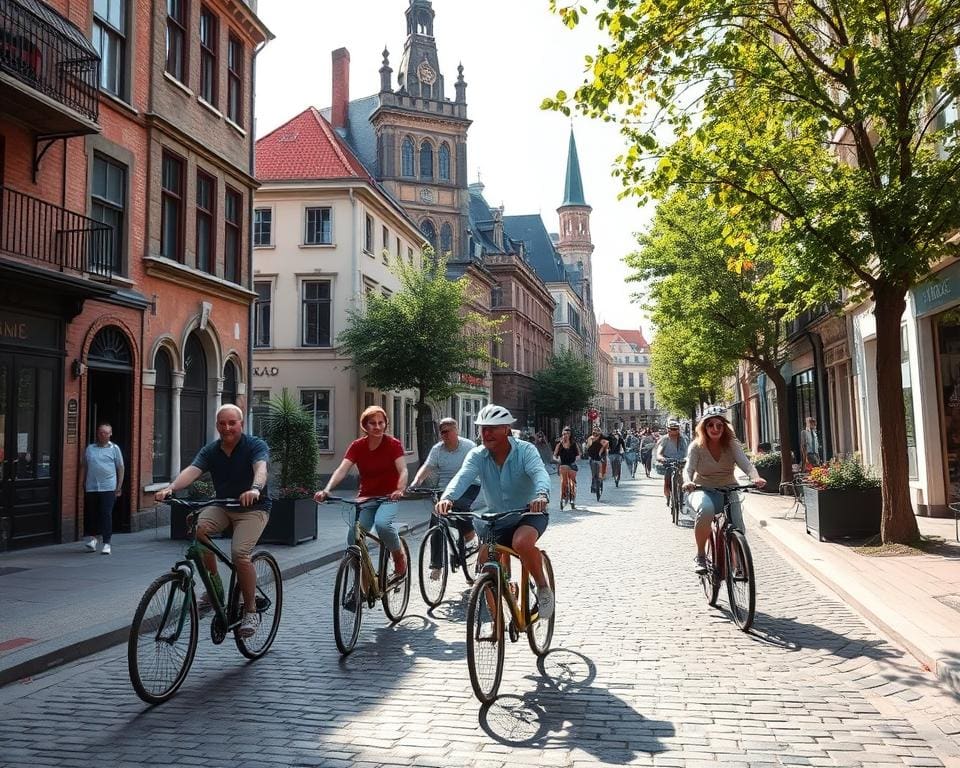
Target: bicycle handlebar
<point>726,488</point>
<point>496,515</point>
<point>200,504</point>
<point>355,502</point>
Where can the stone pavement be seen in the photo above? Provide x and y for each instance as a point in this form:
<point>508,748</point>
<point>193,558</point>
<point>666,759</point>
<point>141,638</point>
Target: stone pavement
<point>642,672</point>
<point>915,599</point>
<point>63,602</point>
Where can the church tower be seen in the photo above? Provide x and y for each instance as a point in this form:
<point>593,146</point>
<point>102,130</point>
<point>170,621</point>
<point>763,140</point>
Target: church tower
<point>575,245</point>
<point>422,138</point>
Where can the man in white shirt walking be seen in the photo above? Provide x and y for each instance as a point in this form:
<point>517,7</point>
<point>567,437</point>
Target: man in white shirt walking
<point>101,472</point>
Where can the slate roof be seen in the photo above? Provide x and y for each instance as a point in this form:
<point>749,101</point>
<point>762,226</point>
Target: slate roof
<point>360,134</point>
<point>573,186</point>
<point>541,253</point>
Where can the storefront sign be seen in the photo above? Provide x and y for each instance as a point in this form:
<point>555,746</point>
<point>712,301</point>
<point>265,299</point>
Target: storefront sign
<point>72,411</point>
<point>27,330</point>
<point>266,371</point>
<point>939,292</point>
<point>472,381</point>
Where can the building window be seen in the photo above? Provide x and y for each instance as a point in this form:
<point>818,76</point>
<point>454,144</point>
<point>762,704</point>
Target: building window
<point>262,227</point>
<point>368,234</point>
<point>316,313</point>
<point>410,256</point>
<point>109,38</point>
<point>232,222</point>
<point>630,379</point>
<point>318,226</point>
<point>235,80</point>
<point>317,403</point>
<point>261,313</point>
<point>620,379</point>
<point>496,295</point>
<point>426,160</point>
<point>108,194</point>
<point>397,418</point>
<point>176,39</point>
<point>171,208</point>
<point>408,425</point>
<point>229,393</point>
<point>206,194</point>
<point>639,379</point>
<point>443,159</point>
<point>208,57</point>
<point>446,239</point>
<point>621,400</point>
<point>385,252</point>
<point>907,385</point>
<point>259,399</point>
<point>429,233</point>
<point>406,157</point>
<point>162,415</point>
<point>631,402</point>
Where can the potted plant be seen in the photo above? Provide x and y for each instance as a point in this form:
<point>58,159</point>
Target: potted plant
<point>842,500</point>
<point>768,466</point>
<point>289,430</point>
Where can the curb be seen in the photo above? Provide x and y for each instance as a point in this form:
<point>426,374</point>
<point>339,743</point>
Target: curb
<point>55,653</point>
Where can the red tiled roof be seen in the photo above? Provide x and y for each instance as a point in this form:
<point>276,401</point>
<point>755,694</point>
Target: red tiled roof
<point>306,147</point>
<point>610,335</point>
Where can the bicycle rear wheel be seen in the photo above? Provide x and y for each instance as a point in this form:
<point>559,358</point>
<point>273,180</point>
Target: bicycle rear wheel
<point>675,500</point>
<point>539,632</point>
<point>741,584</point>
<point>159,649</point>
<point>269,598</point>
<point>599,488</point>
<point>396,593</point>
<point>347,603</point>
<point>710,581</point>
<point>485,638</point>
<point>431,590</point>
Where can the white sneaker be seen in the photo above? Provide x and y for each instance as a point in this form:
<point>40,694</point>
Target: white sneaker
<point>434,574</point>
<point>91,545</point>
<point>250,624</point>
<point>106,550</point>
<point>546,602</point>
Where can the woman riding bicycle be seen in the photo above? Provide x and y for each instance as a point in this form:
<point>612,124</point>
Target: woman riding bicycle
<point>567,453</point>
<point>710,463</point>
<point>597,453</point>
<point>379,459</point>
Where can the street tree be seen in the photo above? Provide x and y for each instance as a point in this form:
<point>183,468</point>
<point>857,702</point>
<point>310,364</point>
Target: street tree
<point>564,386</point>
<point>831,115</point>
<point>420,337</point>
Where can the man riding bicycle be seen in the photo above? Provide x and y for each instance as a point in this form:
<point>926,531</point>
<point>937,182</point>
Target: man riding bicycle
<point>237,464</point>
<point>511,476</point>
<point>672,446</point>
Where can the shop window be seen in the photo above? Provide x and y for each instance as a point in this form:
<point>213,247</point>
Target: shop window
<point>317,403</point>
<point>908,403</point>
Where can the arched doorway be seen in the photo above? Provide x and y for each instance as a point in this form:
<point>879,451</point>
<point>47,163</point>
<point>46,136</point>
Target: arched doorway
<point>110,399</point>
<point>193,401</point>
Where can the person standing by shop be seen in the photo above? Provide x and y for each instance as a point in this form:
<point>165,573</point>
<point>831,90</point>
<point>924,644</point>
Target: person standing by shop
<point>810,445</point>
<point>101,472</point>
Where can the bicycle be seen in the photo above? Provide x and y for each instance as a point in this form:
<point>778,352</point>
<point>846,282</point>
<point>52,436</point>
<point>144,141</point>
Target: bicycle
<point>632,458</point>
<point>491,594</point>
<point>675,468</point>
<point>456,553</point>
<point>727,546</point>
<point>568,489</point>
<point>165,630</point>
<point>615,462</point>
<point>596,484</point>
<point>357,581</point>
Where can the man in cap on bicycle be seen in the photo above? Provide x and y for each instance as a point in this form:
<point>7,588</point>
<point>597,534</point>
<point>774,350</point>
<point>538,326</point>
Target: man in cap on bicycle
<point>511,476</point>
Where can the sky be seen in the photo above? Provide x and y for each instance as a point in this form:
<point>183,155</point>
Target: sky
<point>514,54</point>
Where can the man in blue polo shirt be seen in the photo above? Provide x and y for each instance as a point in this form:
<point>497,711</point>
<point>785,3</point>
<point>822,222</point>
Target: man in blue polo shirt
<point>237,464</point>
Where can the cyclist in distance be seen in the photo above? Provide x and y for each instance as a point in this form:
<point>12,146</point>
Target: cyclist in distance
<point>567,453</point>
<point>444,460</point>
<point>647,444</point>
<point>379,459</point>
<point>596,448</point>
<point>615,448</point>
<point>632,446</point>
<point>672,445</point>
<point>711,459</point>
<point>511,476</point>
<point>237,464</point>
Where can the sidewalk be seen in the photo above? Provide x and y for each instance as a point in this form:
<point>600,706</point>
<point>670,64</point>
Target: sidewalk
<point>914,599</point>
<point>61,602</point>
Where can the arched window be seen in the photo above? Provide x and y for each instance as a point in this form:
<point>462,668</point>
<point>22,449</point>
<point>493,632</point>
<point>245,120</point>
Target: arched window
<point>446,239</point>
<point>162,415</point>
<point>193,401</point>
<point>443,158</point>
<point>229,394</point>
<point>429,232</point>
<point>406,157</point>
<point>426,160</point>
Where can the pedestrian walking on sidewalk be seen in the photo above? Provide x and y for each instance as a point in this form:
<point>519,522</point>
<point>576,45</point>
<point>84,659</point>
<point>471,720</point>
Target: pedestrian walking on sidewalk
<point>101,472</point>
<point>810,445</point>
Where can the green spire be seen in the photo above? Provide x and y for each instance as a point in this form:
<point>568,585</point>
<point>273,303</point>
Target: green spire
<point>573,189</point>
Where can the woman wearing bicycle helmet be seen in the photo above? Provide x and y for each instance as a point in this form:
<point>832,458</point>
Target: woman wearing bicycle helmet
<point>710,463</point>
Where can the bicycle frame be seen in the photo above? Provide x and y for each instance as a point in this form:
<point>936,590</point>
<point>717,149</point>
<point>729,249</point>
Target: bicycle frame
<point>493,564</point>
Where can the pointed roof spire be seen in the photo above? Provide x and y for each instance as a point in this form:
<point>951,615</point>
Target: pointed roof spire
<point>573,188</point>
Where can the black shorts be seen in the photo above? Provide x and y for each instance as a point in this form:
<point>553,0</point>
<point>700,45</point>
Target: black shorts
<point>504,528</point>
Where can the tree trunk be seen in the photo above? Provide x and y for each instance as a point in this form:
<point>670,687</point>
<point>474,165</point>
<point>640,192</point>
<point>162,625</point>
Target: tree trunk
<point>783,419</point>
<point>424,437</point>
<point>898,525</point>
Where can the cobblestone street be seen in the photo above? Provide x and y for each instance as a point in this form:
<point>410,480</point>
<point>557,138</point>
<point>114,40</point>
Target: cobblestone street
<point>643,673</point>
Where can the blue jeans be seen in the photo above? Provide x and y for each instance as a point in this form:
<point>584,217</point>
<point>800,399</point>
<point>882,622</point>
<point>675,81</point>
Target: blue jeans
<point>379,516</point>
<point>101,504</point>
<point>706,504</point>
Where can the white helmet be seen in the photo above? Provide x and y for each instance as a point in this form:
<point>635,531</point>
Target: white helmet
<point>494,416</point>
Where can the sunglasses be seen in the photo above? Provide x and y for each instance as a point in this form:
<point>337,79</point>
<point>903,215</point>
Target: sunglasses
<point>673,429</point>
<point>714,425</point>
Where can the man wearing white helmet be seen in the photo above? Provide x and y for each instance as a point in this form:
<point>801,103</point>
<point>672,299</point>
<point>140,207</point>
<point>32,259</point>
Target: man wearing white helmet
<point>511,476</point>
<point>672,445</point>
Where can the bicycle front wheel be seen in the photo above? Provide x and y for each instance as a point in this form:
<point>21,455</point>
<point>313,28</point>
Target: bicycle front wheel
<point>741,584</point>
<point>539,631</point>
<point>485,638</point>
<point>163,638</point>
<point>710,581</point>
<point>432,589</point>
<point>347,603</point>
<point>396,592</point>
<point>675,500</point>
<point>269,599</point>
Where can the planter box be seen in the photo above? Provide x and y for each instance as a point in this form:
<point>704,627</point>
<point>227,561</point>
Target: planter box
<point>837,514</point>
<point>291,522</point>
<point>770,473</point>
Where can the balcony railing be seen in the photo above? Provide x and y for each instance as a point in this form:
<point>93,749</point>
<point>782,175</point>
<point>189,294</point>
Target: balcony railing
<point>42,49</point>
<point>42,232</point>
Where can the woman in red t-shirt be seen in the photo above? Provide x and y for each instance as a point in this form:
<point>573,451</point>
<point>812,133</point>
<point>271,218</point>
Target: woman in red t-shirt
<point>379,459</point>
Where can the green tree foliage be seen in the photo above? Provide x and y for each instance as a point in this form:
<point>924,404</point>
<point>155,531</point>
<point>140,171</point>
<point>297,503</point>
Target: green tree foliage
<point>831,115</point>
<point>420,337</point>
<point>564,386</point>
<point>684,371</point>
<point>291,434</point>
